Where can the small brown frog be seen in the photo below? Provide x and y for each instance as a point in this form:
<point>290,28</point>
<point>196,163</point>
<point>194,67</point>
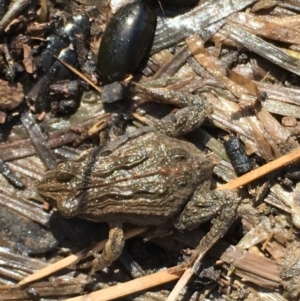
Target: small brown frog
<point>144,178</point>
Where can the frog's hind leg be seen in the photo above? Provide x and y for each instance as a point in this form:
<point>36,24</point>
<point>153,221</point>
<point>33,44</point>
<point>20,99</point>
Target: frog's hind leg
<point>228,213</point>
<point>112,249</point>
<point>219,204</point>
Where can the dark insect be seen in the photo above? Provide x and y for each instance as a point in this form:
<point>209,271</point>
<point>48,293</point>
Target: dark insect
<point>126,40</point>
<point>237,156</point>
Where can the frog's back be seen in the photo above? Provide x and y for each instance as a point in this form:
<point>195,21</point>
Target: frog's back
<point>146,181</point>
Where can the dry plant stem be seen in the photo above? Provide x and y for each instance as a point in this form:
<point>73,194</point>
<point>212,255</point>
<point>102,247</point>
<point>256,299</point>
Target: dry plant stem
<point>261,47</point>
<point>211,64</point>
<point>129,287</point>
<point>246,262</point>
<point>252,267</point>
<point>171,30</point>
<point>184,279</point>
<point>270,27</point>
<point>99,126</point>
<point>25,148</point>
<point>261,171</point>
<point>10,175</point>
<point>61,264</point>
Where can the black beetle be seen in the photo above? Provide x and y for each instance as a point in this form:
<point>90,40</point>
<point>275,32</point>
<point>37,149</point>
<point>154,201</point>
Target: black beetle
<point>126,40</point>
<point>237,155</point>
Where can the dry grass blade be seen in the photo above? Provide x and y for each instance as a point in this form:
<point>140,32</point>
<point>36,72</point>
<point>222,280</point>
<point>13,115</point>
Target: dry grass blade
<point>184,279</point>
<point>35,133</point>
<point>50,269</point>
<point>61,264</point>
<point>268,27</point>
<point>267,50</point>
<point>204,15</point>
<point>132,286</point>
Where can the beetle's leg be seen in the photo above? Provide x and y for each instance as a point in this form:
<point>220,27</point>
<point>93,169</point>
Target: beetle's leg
<point>112,249</point>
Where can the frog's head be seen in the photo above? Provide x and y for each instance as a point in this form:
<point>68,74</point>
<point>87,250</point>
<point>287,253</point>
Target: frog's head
<point>59,189</point>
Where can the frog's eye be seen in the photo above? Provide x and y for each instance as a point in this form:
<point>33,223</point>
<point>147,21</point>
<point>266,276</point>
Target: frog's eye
<point>179,155</point>
<point>64,176</point>
<point>64,173</point>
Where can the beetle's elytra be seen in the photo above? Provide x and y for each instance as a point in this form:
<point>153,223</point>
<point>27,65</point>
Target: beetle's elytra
<point>125,42</point>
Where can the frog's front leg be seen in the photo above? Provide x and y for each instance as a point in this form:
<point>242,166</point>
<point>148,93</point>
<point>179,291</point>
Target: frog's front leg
<point>112,249</point>
<point>193,110</point>
<point>220,204</point>
<point>183,121</point>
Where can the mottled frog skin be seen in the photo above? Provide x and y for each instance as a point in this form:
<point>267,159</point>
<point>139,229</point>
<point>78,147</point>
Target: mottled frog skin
<point>147,181</point>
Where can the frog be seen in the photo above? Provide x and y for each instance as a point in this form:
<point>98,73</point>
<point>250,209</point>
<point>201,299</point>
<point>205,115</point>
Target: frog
<point>147,177</point>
